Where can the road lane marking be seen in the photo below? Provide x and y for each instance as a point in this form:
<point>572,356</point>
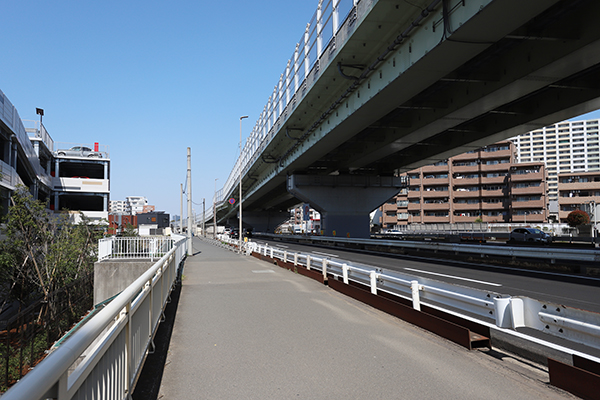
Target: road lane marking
<point>281,245</point>
<point>325,254</point>
<point>453,277</point>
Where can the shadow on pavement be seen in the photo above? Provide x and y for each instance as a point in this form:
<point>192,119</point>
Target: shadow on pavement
<point>148,385</point>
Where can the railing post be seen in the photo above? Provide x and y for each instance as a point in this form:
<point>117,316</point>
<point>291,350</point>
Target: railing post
<point>295,259</point>
<point>285,256</point>
<point>325,262</point>
<point>414,285</point>
<point>345,273</point>
<point>271,252</point>
<point>307,261</point>
<point>336,16</point>
<point>373,275</point>
<point>307,50</point>
<point>319,28</point>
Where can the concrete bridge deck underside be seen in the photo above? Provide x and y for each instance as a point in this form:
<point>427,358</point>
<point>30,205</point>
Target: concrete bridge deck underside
<point>430,82</point>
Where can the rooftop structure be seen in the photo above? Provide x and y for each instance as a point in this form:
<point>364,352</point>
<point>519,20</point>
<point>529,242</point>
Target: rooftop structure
<point>64,180</point>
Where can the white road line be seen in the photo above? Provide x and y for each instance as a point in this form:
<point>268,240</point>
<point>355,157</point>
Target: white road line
<point>281,245</point>
<point>453,277</point>
<point>325,254</point>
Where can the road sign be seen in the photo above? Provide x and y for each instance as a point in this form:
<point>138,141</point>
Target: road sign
<point>232,201</point>
<point>306,212</point>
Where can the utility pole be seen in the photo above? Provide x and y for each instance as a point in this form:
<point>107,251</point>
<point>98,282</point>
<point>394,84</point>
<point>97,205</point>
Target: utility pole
<point>241,170</point>
<point>181,210</point>
<point>189,202</point>
<point>203,217</point>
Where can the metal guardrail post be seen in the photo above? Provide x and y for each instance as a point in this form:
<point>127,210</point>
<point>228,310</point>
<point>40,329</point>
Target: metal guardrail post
<point>373,275</point>
<point>345,269</point>
<point>414,285</point>
<point>308,262</point>
<point>324,267</point>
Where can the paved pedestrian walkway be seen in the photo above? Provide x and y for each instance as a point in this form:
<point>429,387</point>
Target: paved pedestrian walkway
<point>247,329</point>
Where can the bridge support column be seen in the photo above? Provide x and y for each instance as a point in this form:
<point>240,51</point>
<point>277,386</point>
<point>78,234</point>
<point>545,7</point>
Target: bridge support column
<point>345,201</point>
<point>265,221</point>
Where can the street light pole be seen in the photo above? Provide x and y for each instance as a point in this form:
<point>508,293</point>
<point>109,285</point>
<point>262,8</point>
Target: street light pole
<point>190,251</point>
<point>240,200</point>
<point>215,211</point>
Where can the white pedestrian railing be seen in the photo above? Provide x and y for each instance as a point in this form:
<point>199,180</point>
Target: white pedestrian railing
<point>119,248</point>
<point>103,358</point>
<point>504,311</point>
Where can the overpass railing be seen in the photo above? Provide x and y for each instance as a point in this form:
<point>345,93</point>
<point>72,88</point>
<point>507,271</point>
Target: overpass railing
<point>321,30</point>
<point>119,248</point>
<point>104,357</point>
<point>504,311</point>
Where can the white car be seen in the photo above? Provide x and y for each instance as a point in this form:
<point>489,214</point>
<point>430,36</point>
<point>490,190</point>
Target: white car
<point>78,151</point>
<point>529,235</point>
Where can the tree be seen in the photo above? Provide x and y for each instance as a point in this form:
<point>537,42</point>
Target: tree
<point>42,252</point>
<point>578,217</point>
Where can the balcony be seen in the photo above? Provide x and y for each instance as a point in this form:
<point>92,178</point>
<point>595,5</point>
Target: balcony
<point>494,193</point>
<point>414,206</point>
<point>429,169</point>
<point>529,218</point>
<point>532,176</point>
<point>465,169</point>
<point>484,155</point>
<point>414,194</point>
<point>466,156</point>
<point>579,186</point>
<point>465,181</point>
<point>430,194</point>
<point>436,206</point>
<point>436,220</point>
<point>528,190</point>
<point>495,167</point>
<point>463,218</point>
<point>466,206</point>
<point>494,206</point>
<point>388,207</point>
<point>498,180</point>
<point>539,204</point>
<point>435,181</point>
<point>462,194</point>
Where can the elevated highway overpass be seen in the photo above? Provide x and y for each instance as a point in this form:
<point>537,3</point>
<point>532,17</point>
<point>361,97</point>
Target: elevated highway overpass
<point>377,87</point>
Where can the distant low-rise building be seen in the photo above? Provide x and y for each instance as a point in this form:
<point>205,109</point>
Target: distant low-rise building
<point>153,223</point>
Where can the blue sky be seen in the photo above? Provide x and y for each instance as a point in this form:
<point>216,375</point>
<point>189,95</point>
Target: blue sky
<point>149,79</point>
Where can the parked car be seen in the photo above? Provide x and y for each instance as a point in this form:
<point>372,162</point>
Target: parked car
<point>529,235</point>
<point>78,151</point>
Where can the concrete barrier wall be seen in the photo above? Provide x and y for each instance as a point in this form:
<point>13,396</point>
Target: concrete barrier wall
<point>112,277</point>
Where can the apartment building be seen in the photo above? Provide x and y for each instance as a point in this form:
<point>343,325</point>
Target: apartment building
<point>117,207</point>
<point>579,191</point>
<point>483,184</point>
<point>136,204</point>
<point>565,147</point>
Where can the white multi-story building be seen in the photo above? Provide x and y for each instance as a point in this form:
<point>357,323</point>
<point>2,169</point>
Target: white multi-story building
<point>136,204</point>
<point>565,147</point>
<point>118,207</point>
